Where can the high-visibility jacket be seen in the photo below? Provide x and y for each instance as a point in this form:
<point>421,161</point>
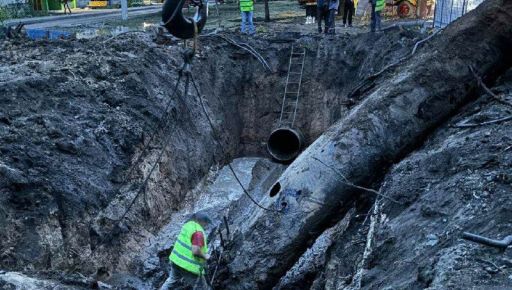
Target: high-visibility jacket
<point>380,5</point>
<point>182,255</point>
<point>246,5</point>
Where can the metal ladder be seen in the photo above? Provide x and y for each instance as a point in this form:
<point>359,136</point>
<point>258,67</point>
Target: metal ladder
<point>292,88</point>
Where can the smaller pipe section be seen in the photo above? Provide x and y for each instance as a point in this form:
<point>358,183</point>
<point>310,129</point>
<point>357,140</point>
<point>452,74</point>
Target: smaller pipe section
<point>501,244</point>
<point>284,144</point>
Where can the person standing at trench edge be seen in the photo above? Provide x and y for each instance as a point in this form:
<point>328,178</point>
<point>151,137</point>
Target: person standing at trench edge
<point>189,255</point>
<point>322,13</point>
<point>348,11</point>
<point>377,7</point>
<point>333,9</point>
<point>247,13</point>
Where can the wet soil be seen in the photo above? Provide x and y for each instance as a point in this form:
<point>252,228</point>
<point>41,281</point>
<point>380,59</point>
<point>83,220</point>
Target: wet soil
<point>459,180</point>
<point>74,116</point>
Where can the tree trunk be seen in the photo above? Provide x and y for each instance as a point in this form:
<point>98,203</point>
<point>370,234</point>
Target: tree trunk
<point>396,115</point>
<point>267,12</point>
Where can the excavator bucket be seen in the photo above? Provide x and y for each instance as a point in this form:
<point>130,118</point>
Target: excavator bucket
<point>179,25</point>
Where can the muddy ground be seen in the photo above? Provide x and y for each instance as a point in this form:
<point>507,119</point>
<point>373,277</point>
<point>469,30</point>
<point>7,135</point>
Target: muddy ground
<point>459,180</point>
<point>75,115</point>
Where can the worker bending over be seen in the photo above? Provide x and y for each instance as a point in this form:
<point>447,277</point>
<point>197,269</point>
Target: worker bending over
<point>189,255</point>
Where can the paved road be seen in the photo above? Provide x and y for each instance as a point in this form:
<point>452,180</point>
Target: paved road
<point>84,17</point>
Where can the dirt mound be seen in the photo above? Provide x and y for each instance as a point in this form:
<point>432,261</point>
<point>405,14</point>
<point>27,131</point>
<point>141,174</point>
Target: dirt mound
<point>458,181</point>
<point>74,113</point>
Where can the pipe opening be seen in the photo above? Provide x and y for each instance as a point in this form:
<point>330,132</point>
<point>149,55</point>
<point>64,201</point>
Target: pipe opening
<point>284,144</point>
<point>275,189</point>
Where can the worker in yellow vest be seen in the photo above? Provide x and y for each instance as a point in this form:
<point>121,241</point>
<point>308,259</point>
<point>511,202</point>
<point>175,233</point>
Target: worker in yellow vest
<point>189,255</point>
<point>377,7</point>
<point>247,13</point>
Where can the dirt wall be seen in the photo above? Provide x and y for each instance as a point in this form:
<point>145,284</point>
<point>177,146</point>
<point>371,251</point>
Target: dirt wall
<point>75,115</point>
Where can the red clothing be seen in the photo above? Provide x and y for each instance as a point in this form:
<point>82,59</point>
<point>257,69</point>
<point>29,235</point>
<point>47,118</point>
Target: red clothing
<point>198,239</point>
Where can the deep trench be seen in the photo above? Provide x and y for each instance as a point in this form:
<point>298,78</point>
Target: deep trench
<point>244,102</point>
<point>69,209</point>
<point>324,93</point>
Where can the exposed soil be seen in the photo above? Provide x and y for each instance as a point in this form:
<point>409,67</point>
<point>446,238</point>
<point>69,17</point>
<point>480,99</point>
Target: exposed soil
<point>75,115</point>
<point>458,181</point>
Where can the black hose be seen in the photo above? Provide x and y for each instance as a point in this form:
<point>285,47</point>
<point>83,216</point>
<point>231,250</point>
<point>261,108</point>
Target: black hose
<point>501,244</point>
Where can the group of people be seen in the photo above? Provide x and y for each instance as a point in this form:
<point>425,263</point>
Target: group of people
<point>65,5</point>
<point>326,13</point>
<point>327,9</point>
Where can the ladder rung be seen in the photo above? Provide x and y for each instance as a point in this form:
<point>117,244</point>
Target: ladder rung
<point>291,98</point>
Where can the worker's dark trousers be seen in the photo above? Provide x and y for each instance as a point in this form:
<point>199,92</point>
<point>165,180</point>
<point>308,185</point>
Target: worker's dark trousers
<point>332,16</point>
<point>348,11</point>
<point>66,5</point>
<point>180,279</point>
<point>322,13</point>
<point>375,24</point>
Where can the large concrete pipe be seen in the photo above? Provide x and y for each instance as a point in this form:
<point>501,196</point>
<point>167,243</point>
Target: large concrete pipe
<point>405,105</point>
<point>284,144</point>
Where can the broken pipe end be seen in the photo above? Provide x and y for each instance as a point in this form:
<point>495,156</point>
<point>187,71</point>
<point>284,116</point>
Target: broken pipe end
<point>284,144</point>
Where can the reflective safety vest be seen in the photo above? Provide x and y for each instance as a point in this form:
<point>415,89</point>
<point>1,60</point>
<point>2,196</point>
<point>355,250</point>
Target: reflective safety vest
<point>246,5</point>
<point>379,6</point>
<point>181,254</point>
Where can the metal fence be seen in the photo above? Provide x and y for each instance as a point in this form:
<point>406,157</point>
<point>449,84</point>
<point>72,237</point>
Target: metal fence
<point>448,10</point>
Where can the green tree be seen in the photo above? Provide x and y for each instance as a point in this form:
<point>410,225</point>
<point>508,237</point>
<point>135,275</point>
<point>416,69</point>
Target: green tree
<point>4,15</point>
